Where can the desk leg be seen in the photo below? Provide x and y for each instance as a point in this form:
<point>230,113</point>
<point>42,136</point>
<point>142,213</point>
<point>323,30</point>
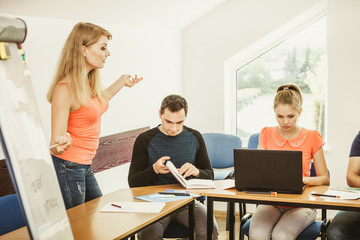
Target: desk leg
<point>191,220</point>
<point>210,214</point>
<point>323,214</point>
<point>231,221</point>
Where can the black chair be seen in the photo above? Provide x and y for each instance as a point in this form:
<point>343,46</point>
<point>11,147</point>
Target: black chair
<point>176,229</point>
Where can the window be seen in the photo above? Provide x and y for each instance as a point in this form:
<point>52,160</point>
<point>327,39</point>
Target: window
<point>299,59</point>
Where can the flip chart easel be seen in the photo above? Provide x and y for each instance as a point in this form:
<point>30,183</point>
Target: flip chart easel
<point>23,141</point>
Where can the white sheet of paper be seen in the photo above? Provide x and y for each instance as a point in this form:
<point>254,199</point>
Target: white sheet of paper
<point>343,194</point>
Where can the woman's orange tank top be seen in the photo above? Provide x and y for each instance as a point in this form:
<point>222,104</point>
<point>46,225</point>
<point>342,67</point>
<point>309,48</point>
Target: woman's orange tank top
<point>84,127</point>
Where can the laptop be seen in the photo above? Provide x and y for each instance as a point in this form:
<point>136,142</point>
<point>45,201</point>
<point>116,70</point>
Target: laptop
<point>268,170</point>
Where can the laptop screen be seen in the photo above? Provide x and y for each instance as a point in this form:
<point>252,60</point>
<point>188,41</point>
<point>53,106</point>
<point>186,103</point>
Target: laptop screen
<point>268,170</point>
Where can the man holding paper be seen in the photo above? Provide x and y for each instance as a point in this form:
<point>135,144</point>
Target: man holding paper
<point>345,225</point>
<point>186,149</point>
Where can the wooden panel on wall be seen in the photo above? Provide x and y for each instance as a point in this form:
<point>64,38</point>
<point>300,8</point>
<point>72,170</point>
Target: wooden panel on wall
<point>6,185</point>
<point>115,150</point>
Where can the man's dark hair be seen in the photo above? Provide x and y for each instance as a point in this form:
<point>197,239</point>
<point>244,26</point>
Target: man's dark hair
<point>174,103</point>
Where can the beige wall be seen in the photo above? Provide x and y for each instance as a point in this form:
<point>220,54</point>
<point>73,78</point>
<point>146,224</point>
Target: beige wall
<point>233,26</point>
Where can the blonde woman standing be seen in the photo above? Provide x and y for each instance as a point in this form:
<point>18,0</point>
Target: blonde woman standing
<point>277,222</point>
<point>77,104</point>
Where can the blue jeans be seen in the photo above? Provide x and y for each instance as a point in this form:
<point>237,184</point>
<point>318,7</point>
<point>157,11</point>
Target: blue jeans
<point>344,226</point>
<point>77,182</point>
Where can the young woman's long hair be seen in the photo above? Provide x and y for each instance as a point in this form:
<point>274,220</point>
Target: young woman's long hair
<point>72,65</point>
<point>289,94</point>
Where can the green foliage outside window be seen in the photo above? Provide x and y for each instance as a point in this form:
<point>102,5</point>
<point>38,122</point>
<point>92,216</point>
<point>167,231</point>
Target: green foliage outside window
<point>300,62</point>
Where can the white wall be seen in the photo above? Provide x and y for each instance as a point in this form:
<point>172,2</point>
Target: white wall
<point>344,84</point>
<point>233,26</point>
<point>217,36</point>
<point>154,53</point>
<point>151,52</point>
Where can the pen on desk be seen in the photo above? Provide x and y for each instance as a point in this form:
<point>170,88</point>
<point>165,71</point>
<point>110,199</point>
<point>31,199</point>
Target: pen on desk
<point>114,205</point>
<point>175,193</point>
<point>265,192</point>
<point>54,145</point>
<point>162,196</point>
<point>324,195</point>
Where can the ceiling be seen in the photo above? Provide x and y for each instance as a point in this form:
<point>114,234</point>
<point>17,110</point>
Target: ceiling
<point>161,13</point>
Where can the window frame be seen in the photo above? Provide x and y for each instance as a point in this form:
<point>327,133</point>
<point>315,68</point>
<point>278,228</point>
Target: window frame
<point>255,50</point>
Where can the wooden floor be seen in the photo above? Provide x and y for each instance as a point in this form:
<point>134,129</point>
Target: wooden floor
<point>221,221</point>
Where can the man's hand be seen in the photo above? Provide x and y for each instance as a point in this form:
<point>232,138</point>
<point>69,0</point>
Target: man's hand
<point>159,166</point>
<point>189,170</point>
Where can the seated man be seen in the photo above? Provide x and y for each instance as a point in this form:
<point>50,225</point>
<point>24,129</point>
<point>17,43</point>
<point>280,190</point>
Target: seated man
<point>186,149</point>
<point>345,224</point>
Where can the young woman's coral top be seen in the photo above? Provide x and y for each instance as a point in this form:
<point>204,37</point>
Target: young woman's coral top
<point>84,127</point>
<point>309,142</point>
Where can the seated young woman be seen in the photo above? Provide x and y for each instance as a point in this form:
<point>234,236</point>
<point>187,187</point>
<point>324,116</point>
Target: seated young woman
<point>277,222</point>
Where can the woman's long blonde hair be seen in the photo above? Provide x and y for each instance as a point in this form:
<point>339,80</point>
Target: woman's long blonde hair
<point>289,94</point>
<point>72,64</point>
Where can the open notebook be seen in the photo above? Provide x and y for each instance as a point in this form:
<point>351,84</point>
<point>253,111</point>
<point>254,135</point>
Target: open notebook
<point>192,183</point>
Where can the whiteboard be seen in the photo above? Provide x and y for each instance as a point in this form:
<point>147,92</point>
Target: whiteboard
<point>27,152</point>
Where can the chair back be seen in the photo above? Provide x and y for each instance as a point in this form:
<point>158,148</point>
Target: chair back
<point>220,148</point>
<point>253,141</point>
<point>313,172</point>
<point>11,216</point>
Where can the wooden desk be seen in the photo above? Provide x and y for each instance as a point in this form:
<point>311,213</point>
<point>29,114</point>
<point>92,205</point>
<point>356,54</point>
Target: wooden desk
<point>87,222</point>
<point>295,200</point>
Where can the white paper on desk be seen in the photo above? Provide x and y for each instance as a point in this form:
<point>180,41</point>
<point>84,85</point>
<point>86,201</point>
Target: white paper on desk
<point>140,207</point>
<point>227,183</point>
<point>343,194</point>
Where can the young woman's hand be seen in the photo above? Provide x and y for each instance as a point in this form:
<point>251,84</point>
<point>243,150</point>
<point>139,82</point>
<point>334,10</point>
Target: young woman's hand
<point>61,144</point>
<point>125,80</point>
<point>130,81</point>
